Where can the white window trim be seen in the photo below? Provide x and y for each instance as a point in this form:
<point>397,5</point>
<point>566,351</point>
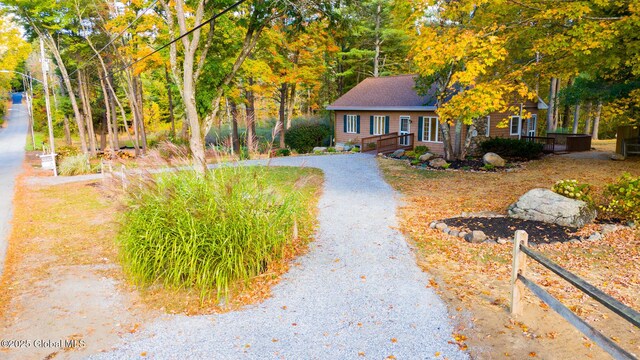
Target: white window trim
<point>533,119</point>
<point>511,125</point>
<point>352,126</point>
<point>487,131</point>
<point>425,135</point>
<point>400,123</point>
<point>383,118</point>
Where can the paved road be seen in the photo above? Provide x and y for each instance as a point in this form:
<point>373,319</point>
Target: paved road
<point>357,292</point>
<point>12,142</point>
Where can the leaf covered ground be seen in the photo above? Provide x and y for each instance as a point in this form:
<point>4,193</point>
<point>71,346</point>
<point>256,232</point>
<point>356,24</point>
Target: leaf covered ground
<point>474,278</point>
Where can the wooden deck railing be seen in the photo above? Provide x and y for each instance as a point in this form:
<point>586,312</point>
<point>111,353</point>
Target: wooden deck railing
<point>519,282</point>
<point>387,142</point>
<point>548,143</point>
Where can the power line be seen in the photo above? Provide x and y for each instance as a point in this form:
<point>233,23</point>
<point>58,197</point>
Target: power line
<point>214,17</point>
<point>116,37</point>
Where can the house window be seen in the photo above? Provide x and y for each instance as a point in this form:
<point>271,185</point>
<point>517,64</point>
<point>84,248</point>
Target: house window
<point>378,125</point>
<point>352,124</point>
<point>487,130</point>
<point>514,125</point>
<point>532,124</point>
<point>430,130</point>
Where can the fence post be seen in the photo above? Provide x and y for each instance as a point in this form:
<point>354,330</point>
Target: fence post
<point>519,267</point>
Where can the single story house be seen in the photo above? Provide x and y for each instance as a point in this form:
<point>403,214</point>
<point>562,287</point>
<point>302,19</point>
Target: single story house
<point>390,105</point>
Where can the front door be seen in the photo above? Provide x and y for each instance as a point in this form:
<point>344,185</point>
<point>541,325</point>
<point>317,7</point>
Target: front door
<point>405,127</point>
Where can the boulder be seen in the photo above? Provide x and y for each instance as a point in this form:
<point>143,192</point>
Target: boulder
<point>462,234</point>
<point>493,159</point>
<point>476,236</point>
<point>595,237</point>
<point>433,224</point>
<point>339,148</point>
<point>546,206</point>
<point>454,233</point>
<point>617,157</point>
<point>398,153</point>
<point>441,226</point>
<point>609,228</point>
<point>426,156</point>
<point>438,163</point>
<point>319,149</point>
<point>502,241</point>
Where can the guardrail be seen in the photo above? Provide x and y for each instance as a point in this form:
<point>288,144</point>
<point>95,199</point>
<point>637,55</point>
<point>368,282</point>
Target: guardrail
<point>519,282</point>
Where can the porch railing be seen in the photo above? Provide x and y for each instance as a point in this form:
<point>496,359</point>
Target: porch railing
<point>387,142</point>
<point>548,143</point>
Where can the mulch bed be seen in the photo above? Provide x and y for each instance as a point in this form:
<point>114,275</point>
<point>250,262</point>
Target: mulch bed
<point>505,227</point>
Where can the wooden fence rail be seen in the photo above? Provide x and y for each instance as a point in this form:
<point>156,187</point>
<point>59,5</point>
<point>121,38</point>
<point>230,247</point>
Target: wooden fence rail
<point>519,281</point>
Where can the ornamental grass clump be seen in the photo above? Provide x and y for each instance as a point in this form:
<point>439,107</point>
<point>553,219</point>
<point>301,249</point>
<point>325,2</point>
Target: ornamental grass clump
<point>205,233</point>
<point>574,190</point>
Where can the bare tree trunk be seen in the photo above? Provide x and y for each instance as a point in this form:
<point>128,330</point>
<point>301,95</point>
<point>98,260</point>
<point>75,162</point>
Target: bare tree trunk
<point>235,138</point>
<point>67,131</point>
<point>86,110</point>
<point>552,101</point>
<point>377,42</point>
<point>291,104</point>
<point>446,140</point>
<point>567,109</point>
<point>107,107</point>
<point>138,91</point>
<point>103,132</point>
<point>133,104</point>
<point>556,105</point>
<point>51,44</point>
<point>596,121</point>
<point>171,115</point>
<point>114,123</point>
<point>282,114</point>
<point>587,124</point>
<point>457,146</point>
<point>251,116</point>
<point>576,118</point>
<point>467,141</point>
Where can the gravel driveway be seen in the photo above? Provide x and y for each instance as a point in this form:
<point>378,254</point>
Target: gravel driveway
<point>358,291</point>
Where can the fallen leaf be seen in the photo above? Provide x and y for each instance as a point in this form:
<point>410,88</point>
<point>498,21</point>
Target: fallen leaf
<point>532,354</point>
<point>394,340</point>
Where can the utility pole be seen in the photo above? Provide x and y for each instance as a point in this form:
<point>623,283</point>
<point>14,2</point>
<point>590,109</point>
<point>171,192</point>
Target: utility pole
<point>45,83</point>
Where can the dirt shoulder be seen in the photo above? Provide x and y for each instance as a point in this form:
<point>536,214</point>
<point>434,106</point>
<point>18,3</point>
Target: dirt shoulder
<point>62,281</point>
<point>474,278</point>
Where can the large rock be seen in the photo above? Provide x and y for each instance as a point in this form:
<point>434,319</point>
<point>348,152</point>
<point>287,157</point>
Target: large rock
<point>493,159</point>
<point>426,156</point>
<point>617,157</point>
<point>438,163</point>
<point>476,236</point>
<point>398,153</point>
<point>547,206</point>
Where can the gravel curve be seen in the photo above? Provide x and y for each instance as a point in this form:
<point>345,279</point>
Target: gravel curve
<point>358,291</point>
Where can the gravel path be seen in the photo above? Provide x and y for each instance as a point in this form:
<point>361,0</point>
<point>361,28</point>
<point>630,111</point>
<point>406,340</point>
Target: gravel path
<point>12,141</point>
<point>358,291</point>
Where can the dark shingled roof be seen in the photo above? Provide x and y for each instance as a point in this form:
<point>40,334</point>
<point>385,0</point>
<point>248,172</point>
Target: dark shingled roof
<point>390,92</point>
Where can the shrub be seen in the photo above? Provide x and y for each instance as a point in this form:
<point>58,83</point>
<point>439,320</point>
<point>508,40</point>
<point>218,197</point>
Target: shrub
<point>74,165</point>
<point>331,150</point>
<point>574,190</point>
<point>207,233</point>
<point>355,149</point>
<point>446,166</point>
<point>420,150</point>
<point>512,148</point>
<point>415,162</point>
<point>488,167</point>
<point>411,154</point>
<point>622,198</point>
<point>64,151</point>
<point>304,136</point>
<point>283,152</point>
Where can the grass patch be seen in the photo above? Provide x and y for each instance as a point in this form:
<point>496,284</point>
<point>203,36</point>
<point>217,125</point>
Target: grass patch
<point>214,235</point>
<point>39,139</point>
<point>75,165</point>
